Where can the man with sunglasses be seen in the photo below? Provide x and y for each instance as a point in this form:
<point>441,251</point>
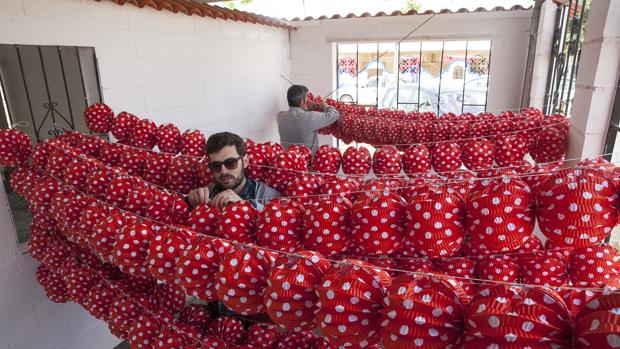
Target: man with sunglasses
<point>299,124</point>
<point>228,161</point>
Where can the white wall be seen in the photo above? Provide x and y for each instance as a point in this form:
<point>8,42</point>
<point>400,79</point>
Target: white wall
<point>597,82</point>
<point>544,51</point>
<point>196,72</point>
<point>28,320</point>
<point>313,57</point>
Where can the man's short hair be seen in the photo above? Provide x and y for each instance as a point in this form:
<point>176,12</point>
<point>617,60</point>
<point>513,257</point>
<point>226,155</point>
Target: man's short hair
<point>217,141</point>
<point>296,94</point>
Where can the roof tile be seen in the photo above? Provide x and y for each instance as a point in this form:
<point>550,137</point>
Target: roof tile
<point>414,12</point>
<point>193,7</point>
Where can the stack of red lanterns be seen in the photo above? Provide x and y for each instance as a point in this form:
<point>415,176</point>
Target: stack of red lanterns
<point>356,303</point>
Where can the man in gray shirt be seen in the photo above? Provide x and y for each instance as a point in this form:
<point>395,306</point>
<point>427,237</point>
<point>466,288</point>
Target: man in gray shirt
<point>298,125</point>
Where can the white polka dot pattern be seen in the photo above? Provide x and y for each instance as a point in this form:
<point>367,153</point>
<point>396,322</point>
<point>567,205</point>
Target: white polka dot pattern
<point>289,298</point>
<point>500,316</point>
<point>98,117</point>
<point>422,311</point>
<point>349,300</point>
<point>356,161</point>
<point>168,138</point>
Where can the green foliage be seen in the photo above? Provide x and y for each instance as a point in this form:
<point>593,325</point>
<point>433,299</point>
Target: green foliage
<point>233,6</point>
<point>411,5</point>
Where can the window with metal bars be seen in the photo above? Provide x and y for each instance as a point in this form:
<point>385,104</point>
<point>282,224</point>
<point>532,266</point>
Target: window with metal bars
<point>43,92</point>
<point>437,76</point>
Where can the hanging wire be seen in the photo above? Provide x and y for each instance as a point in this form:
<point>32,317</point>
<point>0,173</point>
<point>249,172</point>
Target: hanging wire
<point>297,255</point>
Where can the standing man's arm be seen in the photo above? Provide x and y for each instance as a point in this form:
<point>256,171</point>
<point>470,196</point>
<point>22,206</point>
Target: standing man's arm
<point>314,120</point>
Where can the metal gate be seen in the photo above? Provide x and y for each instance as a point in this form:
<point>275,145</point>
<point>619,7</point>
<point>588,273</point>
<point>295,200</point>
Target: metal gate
<point>567,43</point>
<point>43,92</point>
<point>45,89</point>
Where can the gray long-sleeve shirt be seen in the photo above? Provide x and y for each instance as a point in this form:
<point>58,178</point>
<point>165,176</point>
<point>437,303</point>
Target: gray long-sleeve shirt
<point>299,126</point>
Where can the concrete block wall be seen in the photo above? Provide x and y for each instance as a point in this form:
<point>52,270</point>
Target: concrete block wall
<point>597,82</point>
<point>313,54</point>
<point>28,320</point>
<point>213,75</point>
<point>196,72</point>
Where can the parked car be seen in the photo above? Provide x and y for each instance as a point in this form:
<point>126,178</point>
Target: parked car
<point>367,91</point>
<point>452,97</point>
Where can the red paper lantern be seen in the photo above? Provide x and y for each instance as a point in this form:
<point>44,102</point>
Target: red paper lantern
<point>350,297</point>
<point>99,117</point>
<point>289,298</point>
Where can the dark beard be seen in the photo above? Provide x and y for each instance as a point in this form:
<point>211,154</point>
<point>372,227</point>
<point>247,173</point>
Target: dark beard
<point>236,183</point>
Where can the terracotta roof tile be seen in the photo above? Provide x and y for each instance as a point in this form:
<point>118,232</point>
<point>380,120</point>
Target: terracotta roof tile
<point>413,12</point>
<point>192,7</point>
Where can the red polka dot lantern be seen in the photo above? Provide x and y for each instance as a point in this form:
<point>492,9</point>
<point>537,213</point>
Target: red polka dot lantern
<point>577,207</point>
<point>237,222</point>
<point>99,117</point>
<point>422,312</point>
<point>168,138</point>
<point>131,248</point>
<point>326,226</point>
<point>228,329</point>
<point>387,160</point>
<point>446,157</point>
<point>597,323</point>
<point>435,224</point>
<point>510,150</point>
<point>197,265</point>
<point>478,154</point>
<point>594,266</point>
<point>416,160</point>
<point>550,144</point>
<point>143,334</point>
<point>289,298</point>
<point>377,223</point>
<point>280,226</point>
<point>163,253</point>
<point>502,268</point>
<point>15,147</point>
<point>193,143</point>
<point>501,317</point>
<point>123,126</point>
<point>203,219</point>
<point>350,297</point>
<point>326,159</point>
<point>263,335</point>
<point>356,161</point>
<point>242,278</point>
<point>143,135</point>
<point>196,315</point>
<point>499,214</point>
<point>105,232</point>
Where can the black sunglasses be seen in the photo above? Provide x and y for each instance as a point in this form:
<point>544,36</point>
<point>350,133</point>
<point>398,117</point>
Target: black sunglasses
<point>230,164</point>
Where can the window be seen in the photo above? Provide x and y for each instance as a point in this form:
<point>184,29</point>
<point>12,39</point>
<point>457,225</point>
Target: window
<point>45,89</point>
<point>437,76</point>
<point>458,73</point>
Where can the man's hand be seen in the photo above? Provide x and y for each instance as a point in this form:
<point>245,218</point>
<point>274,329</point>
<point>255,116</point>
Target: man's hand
<point>198,196</point>
<point>225,198</point>
<point>314,106</point>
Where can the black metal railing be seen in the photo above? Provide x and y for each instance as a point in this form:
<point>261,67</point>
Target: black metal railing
<point>570,27</point>
<point>47,87</point>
